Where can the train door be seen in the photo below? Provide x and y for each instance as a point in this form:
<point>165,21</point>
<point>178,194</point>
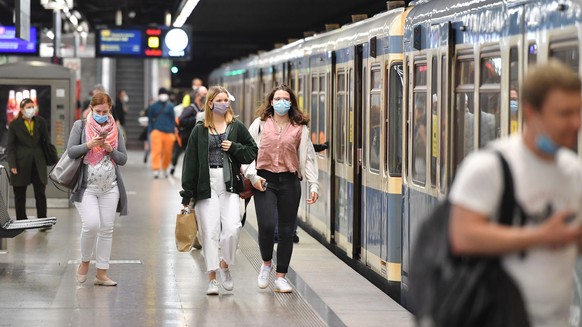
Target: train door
<point>428,95</point>
<point>343,145</point>
<point>358,155</point>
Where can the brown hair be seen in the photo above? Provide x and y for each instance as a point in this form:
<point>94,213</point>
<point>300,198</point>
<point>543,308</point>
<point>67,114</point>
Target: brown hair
<point>101,98</point>
<point>23,103</point>
<point>208,116</point>
<point>296,116</point>
<point>544,78</point>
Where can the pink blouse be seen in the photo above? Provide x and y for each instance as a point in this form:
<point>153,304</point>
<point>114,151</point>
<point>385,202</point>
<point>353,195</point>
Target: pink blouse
<point>278,151</point>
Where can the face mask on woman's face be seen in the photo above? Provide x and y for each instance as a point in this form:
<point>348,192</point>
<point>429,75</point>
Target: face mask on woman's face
<point>125,98</point>
<point>220,108</point>
<point>282,107</point>
<point>29,112</point>
<point>164,97</point>
<point>100,119</point>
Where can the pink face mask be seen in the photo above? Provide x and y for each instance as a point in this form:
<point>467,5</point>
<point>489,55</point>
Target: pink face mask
<point>220,108</point>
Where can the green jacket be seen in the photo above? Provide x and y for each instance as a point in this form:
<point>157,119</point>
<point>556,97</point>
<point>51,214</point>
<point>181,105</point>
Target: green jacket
<point>196,171</point>
<point>23,150</point>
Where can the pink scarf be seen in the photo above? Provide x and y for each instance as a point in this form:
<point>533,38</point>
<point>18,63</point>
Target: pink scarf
<point>93,129</point>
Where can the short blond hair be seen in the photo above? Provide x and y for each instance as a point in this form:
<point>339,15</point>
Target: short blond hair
<point>541,79</point>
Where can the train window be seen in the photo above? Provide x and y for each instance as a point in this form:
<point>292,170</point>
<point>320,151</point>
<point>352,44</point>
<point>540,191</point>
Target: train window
<point>567,55</point>
<point>513,90</point>
<point>490,100</point>
<point>340,111</point>
<point>532,54</point>
<point>351,117</point>
<point>322,114</point>
<point>434,140</point>
<point>314,104</point>
<point>395,93</point>
<point>375,119</point>
<point>419,129</point>
<point>464,110</point>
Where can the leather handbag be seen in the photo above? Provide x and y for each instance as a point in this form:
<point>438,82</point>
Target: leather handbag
<point>247,189</point>
<point>66,172</point>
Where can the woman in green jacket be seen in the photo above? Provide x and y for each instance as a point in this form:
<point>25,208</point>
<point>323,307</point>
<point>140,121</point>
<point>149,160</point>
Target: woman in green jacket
<point>211,177</point>
<point>26,158</point>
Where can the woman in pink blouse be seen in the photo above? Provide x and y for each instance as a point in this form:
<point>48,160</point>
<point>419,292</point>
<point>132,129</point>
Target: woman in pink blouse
<point>286,156</point>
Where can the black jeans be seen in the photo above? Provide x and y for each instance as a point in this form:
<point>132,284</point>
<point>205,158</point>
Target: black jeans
<point>39,195</point>
<point>283,194</point>
<point>176,152</point>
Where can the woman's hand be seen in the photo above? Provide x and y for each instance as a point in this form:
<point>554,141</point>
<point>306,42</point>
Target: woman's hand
<point>107,146</point>
<point>96,141</point>
<point>225,145</point>
<point>314,197</point>
<point>259,185</point>
<point>14,171</point>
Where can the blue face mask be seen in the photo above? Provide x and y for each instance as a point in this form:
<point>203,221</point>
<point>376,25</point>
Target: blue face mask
<point>546,145</point>
<point>100,119</point>
<point>282,107</point>
<point>513,106</point>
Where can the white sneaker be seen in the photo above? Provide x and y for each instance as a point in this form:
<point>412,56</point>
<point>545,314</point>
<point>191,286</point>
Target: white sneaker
<point>282,285</point>
<point>263,279</point>
<point>226,279</point>
<point>212,287</point>
<point>156,174</point>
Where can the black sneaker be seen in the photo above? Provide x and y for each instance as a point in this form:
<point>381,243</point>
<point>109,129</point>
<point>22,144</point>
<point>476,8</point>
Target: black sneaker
<point>295,238</point>
<point>172,170</point>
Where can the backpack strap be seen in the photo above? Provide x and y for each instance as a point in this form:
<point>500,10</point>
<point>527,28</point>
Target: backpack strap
<point>507,205</point>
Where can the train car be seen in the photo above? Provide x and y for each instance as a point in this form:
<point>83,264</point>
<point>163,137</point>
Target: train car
<point>347,80</point>
<point>465,61</point>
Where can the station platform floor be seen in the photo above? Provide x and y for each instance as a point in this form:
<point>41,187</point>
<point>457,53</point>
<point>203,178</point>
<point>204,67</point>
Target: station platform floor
<point>159,286</point>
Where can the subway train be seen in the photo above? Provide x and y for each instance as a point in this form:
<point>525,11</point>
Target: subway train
<point>368,88</point>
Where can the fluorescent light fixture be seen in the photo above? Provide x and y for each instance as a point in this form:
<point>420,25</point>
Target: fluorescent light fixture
<point>185,13</point>
<point>50,34</point>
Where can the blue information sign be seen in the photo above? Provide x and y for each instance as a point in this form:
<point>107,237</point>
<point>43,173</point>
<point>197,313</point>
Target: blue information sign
<point>10,44</point>
<point>121,42</point>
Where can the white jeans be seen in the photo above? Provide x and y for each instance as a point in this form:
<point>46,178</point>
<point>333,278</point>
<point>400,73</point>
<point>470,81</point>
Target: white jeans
<point>218,222</point>
<point>98,212</point>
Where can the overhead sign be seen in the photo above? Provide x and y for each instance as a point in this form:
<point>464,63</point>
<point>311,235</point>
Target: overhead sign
<point>10,44</point>
<point>144,42</point>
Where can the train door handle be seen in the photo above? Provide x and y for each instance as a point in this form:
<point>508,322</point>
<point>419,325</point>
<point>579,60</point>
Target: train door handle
<point>359,156</point>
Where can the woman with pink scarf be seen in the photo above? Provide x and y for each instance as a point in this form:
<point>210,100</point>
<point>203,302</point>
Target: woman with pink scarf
<point>99,192</point>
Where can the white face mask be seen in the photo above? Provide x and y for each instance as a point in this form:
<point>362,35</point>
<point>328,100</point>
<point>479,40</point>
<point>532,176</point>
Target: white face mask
<point>29,112</point>
<point>163,97</point>
<point>126,99</point>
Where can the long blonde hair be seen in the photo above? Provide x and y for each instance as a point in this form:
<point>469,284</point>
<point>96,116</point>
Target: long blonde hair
<point>208,116</point>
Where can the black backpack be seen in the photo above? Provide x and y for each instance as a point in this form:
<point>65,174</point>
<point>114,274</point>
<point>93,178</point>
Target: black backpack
<point>453,291</point>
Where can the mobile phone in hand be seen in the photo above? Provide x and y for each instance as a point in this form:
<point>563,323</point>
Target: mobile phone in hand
<point>103,134</point>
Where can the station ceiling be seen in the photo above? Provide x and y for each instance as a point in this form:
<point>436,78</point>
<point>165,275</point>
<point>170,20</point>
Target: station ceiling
<point>223,30</point>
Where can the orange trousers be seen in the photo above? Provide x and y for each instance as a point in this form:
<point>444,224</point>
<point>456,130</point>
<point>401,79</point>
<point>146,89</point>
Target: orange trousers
<point>162,146</point>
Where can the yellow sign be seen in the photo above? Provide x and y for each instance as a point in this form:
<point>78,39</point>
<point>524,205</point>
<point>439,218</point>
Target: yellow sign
<point>154,42</point>
<point>435,136</point>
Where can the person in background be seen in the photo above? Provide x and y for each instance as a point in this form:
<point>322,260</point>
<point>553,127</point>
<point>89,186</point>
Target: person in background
<point>216,149</point>
<point>26,158</point>
<point>285,156</point>
<point>100,191</point>
<point>187,99</point>
<point>161,122</point>
<point>120,109</point>
<point>187,120</point>
<point>547,176</point>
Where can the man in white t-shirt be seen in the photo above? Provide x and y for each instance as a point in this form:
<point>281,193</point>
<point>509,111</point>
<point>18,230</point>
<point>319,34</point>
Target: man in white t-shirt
<point>548,185</point>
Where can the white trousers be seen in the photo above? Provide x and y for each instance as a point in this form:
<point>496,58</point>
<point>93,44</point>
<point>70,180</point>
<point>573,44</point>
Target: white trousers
<point>219,223</point>
<point>98,212</point>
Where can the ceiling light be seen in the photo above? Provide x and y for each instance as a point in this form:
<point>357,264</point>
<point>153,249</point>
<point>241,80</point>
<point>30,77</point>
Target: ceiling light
<point>185,13</point>
<point>50,35</point>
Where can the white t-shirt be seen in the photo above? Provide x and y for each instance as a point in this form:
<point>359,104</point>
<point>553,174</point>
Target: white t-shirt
<point>545,275</point>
